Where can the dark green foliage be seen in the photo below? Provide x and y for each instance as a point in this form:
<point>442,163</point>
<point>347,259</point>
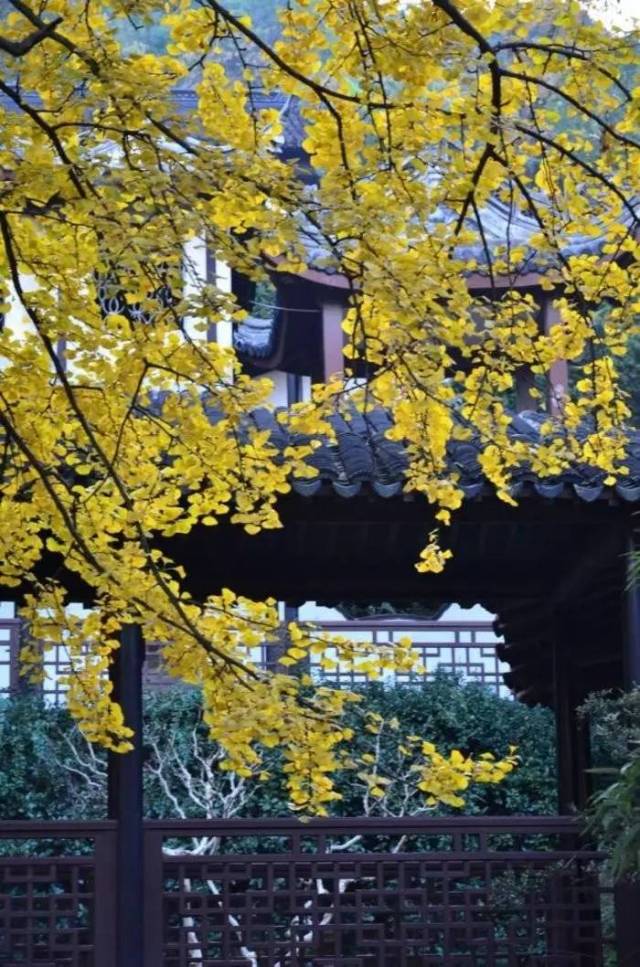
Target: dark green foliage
<point>614,725</point>
<point>42,777</point>
<point>614,812</point>
<point>614,815</point>
<point>471,718</point>
<point>31,787</point>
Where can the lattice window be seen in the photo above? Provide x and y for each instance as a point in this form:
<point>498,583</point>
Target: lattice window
<point>112,299</point>
<point>9,649</point>
<point>467,649</point>
<point>56,665</point>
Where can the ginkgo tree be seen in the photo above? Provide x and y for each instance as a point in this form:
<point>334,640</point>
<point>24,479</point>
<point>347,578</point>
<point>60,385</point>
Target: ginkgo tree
<point>418,114</point>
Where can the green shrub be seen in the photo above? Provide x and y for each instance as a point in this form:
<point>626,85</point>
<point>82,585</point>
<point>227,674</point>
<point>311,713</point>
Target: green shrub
<point>48,771</point>
<point>613,814</point>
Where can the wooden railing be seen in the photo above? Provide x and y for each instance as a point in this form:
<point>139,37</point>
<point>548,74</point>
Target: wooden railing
<point>57,884</point>
<point>262,893</point>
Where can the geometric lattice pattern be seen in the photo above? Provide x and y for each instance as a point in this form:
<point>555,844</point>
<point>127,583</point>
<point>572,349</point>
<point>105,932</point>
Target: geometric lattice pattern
<point>462,648</point>
<point>46,912</point>
<point>9,648</point>
<point>467,649</point>
<point>56,664</point>
<point>473,905</point>
<point>469,892</point>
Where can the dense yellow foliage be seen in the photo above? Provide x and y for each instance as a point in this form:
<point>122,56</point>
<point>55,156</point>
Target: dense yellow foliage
<point>417,114</point>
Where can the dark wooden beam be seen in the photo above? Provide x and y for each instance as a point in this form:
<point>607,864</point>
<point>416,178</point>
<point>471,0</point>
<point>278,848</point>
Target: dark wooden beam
<point>627,919</point>
<point>571,734</point>
<point>631,644</point>
<point>558,380</point>
<point>596,555</point>
<point>525,383</point>
<point>125,801</point>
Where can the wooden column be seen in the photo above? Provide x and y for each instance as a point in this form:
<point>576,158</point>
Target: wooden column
<point>294,388</point>
<point>524,381</point>
<point>559,373</point>
<point>627,918</point>
<point>125,802</point>
<point>332,338</point>
<point>627,892</point>
<point>572,736</point>
<point>631,640</point>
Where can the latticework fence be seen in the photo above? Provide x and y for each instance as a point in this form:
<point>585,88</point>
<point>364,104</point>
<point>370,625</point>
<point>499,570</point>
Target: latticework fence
<point>486,892</point>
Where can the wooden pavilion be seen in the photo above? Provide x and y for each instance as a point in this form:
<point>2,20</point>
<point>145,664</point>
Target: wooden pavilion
<point>553,569</point>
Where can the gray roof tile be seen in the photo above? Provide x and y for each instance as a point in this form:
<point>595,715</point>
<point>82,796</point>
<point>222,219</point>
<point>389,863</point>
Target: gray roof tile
<point>362,457</point>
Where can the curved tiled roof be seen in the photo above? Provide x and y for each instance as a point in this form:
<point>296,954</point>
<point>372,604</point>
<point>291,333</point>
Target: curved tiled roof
<point>362,458</point>
<point>496,226</point>
<point>256,337</point>
<point>501,223</point>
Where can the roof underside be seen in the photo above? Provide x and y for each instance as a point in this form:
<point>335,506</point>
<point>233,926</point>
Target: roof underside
<point>557,560</point>
<point>555,564</point>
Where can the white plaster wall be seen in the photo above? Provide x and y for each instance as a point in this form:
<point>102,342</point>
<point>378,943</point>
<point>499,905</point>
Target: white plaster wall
<point>224,329</point>
<point>476,613</point>
<point>15,319</point>
<point>194,277</point>
<point>279,393</point>
<point>310,611</point>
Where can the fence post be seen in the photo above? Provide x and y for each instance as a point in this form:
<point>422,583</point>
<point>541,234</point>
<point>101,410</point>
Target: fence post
<point>627,919</point>
<point>153,892</point>
<point>631,637</point>
<point>126,802</point>
<point>104,907</point>
<point>627,892</point>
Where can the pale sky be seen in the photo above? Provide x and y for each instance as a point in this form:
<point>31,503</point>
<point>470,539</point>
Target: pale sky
<point>621,13</point>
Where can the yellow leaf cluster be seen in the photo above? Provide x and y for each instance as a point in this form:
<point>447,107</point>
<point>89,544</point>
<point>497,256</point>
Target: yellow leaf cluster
<point>119,430</point>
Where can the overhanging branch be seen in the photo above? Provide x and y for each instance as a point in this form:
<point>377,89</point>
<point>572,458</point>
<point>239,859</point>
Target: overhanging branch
<point>18,48</point>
